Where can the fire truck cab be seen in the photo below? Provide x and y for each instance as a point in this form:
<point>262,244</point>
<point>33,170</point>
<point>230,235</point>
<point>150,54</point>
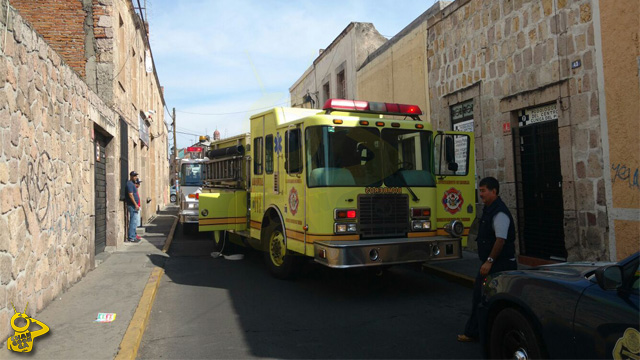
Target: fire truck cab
<point>190,185</point>
<point>355,184</point>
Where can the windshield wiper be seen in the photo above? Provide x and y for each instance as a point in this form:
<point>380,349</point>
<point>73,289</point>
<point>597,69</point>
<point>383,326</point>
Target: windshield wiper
<point>413,195</point>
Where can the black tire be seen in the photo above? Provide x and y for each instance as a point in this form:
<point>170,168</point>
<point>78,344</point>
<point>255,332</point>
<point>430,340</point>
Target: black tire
<point>282,264</point>
<point>173,198</point>
<point>220,240</point>
<point>512,332</point>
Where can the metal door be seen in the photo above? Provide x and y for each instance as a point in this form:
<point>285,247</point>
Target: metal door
<point>541,212</point>
<point>100,193</point>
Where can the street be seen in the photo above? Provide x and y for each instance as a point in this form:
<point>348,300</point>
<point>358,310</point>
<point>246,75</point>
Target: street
<point>221,308</point>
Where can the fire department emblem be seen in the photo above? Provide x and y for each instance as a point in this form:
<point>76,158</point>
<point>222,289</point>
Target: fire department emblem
<point>452,200</point>
<point>293,201</point>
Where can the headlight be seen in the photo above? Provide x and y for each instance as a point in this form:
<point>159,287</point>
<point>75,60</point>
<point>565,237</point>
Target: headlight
<point>345,228</point>
<point>193,206</point>
<point>455,228</point>
<point>421,225</point>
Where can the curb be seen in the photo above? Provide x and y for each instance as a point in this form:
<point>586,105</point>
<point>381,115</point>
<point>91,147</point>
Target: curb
<point>133,336</point>
<point>167,244</point>
<point>463,280</point>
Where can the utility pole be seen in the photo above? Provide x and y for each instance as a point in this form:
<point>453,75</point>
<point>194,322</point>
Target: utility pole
<point>175,148</point>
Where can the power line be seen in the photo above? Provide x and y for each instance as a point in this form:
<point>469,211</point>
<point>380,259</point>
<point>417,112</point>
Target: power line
<point>232,113</point>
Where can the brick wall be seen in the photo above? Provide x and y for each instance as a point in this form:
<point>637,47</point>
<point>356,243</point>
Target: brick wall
<point>61,23</point>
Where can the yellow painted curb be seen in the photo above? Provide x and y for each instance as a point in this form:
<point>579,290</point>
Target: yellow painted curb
<point>167,243</point>
<point>133,336</point>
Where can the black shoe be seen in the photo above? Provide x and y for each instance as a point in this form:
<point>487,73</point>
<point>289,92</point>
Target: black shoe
<point>135,241</point>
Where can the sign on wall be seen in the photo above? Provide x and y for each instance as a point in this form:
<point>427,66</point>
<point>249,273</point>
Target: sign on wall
<point>538,115</point>
<point>144,130</point>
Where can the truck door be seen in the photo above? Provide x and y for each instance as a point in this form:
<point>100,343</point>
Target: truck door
<point>455,175</point>
<point>294,187</point>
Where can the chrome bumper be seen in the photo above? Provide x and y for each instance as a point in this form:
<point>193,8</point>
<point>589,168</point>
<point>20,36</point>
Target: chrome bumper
<point>360,253</point>
<point>189,216</point>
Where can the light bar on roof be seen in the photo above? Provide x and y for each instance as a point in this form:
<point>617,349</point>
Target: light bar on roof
<point>372,107</point>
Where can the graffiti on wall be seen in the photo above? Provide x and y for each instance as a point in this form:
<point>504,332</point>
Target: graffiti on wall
<point>37,192</point>
<point>622,172</point>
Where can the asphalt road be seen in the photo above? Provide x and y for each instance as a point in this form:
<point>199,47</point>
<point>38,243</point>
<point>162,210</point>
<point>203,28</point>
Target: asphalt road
<point>226,309</point>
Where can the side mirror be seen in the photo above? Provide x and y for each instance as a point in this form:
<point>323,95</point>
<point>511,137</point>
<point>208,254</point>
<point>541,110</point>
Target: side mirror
<point>450,154</point>
<point>609,277</point>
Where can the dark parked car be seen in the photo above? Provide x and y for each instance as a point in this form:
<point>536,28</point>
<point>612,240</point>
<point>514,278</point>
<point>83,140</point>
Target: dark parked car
<point>569,310</point>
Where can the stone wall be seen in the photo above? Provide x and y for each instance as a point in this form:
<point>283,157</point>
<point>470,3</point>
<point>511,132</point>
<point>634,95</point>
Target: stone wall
<point>509,55</point>
<point>47,121</point>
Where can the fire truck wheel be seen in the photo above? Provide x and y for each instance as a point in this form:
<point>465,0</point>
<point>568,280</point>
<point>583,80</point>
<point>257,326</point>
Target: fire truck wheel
<point>280,262</point>
<point>220,240</point>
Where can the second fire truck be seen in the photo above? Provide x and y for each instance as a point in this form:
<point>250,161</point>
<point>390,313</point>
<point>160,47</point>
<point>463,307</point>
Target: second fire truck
<point>355,184</point>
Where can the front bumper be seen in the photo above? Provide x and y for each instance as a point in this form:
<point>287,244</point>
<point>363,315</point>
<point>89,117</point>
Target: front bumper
<point>189,216</point>
<point>361,253</point>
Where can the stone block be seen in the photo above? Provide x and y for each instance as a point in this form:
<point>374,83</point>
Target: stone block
<point>585,13</point>
<point>6,266</point>
<point>594,165</point>
<point>580,109</point>
<point>584,195</point>
<point>568,195</point>
<point>601,193</point>
<point>594,104</point>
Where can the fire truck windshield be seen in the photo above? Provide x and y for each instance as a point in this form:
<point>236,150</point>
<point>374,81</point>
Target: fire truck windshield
<point>191,175</point>
<point>364,156</point>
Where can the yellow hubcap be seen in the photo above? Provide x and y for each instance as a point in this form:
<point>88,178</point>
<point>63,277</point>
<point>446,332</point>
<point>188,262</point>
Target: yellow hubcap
<point>277,248</point>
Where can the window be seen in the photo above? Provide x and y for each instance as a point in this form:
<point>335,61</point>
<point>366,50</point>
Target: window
<point>326,92</point>
<point>407,158</point>
<point>342,85</point>
<point>462,116</point>
<point>362,156</point>
<point>257,156</point>
<point>293,151</point>
<point>451,154</point>
<point>268,154</point>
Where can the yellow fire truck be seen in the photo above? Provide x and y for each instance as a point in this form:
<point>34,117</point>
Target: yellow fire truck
<point>352,185</point>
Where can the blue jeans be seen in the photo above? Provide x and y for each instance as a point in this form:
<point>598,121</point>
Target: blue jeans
<point>133,222</point>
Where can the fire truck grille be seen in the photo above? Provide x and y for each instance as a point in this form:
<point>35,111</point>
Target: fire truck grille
<point>383,215</point>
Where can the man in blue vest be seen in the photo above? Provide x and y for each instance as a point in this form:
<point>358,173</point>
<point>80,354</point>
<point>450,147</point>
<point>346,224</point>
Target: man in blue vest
<point>496,247</point>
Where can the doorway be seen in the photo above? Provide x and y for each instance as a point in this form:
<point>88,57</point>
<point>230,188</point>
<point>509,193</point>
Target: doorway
<point>539,187</point>
<point>100,192</point>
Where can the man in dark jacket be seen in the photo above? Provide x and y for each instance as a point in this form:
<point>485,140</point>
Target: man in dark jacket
<point>496,247</point>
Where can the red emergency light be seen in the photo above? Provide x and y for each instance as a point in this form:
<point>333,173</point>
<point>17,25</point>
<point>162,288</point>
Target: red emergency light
<point>372,107</point>
<point>194,149</point>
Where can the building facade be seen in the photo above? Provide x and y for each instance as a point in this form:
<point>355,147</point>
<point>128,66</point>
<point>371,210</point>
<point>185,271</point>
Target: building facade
<point>397,70</point>
<point>550,88</point>
<point>551,101</point>
<point>333,72</point>
<point>66,145</point>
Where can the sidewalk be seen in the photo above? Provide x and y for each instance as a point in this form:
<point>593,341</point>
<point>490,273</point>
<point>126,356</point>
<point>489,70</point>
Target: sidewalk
<point>117,285</point>
<point>462,271</point>
<point>125,282</point>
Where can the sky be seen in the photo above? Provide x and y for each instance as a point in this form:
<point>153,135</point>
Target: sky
<point>220,61</point>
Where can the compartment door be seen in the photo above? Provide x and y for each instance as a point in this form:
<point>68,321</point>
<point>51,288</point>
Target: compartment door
<point>222,209</point>
<point>454,167</point>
